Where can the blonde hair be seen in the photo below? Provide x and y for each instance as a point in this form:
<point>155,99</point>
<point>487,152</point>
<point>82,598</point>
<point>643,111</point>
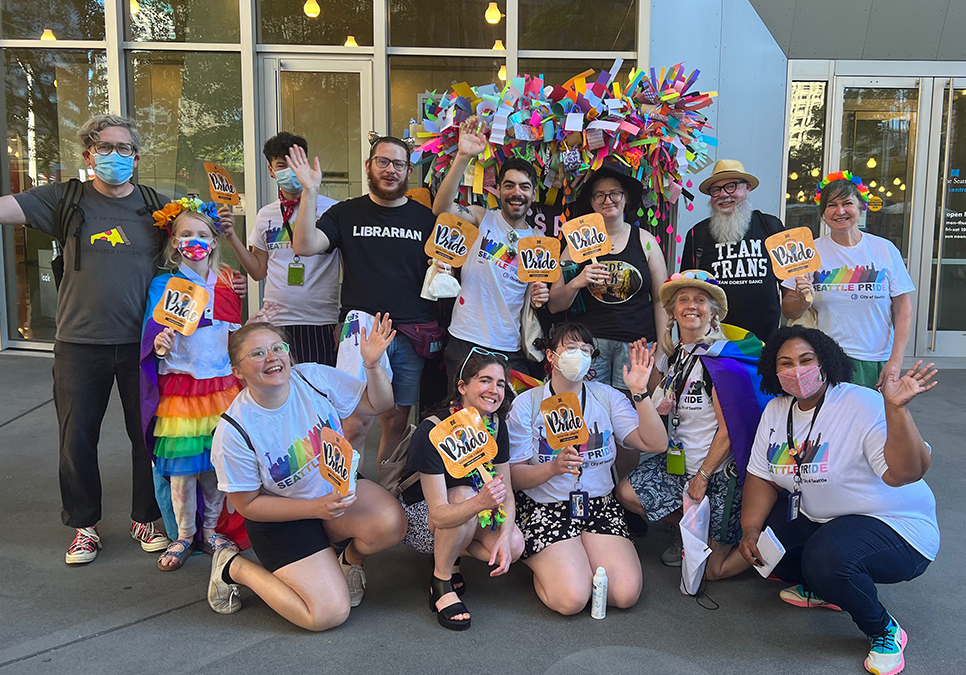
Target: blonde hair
<point>667,341</point>
<point>172,256</point>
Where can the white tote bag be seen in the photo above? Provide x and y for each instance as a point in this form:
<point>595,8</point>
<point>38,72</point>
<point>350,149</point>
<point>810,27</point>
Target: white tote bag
<point>694,535</point>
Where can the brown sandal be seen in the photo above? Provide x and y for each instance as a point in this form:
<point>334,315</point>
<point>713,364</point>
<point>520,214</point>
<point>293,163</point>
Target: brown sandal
<point>180,556</point>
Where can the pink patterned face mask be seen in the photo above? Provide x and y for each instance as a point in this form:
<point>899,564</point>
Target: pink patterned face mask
<point>801,381</point>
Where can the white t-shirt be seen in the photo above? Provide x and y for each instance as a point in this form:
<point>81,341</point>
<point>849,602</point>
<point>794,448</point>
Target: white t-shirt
<point>841,474</point>
<point>697,422</point>
<point>286,458</point>
<point>853,294</point>
<point>488,309</point>
<point>316,301</point>
<point>528,439</point>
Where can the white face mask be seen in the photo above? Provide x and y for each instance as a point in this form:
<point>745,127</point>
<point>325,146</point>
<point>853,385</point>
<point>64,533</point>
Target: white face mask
<point>573,364</point>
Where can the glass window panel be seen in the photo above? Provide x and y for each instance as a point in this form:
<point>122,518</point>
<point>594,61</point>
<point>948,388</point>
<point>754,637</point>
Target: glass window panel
<point>558,71</point>
<point>457,24</point>
<point>189,111</point>
<point>806,145</point>
<point>337,142</point>
<point>65,19</point>
<point>597,25</point>
<point>48,96</point>
<point>182,20</point>
<point>286,22</point>
<point>411,76</point>
<point>878,144</point>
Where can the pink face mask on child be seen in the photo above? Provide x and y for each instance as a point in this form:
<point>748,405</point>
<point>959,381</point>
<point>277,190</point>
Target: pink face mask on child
<point>801,381</point>
<point>194,249</point>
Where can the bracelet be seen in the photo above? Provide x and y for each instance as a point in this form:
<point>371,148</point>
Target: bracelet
<point>369,367</point>
<point>704,473</point>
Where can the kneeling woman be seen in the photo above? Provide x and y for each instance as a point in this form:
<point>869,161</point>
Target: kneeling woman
<point>267,460</point>
<point>462,514</point>
<point>563,550</point>
<point>858,513</point>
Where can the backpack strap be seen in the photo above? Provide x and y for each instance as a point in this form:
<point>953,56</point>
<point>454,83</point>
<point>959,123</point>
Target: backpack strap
<point>413,478</point>
<point>69,205</point>
<point>152,200</point>
<point>773,225</point>
<point>240,429</point>
<point>702,246</point>
<point>305,379</point>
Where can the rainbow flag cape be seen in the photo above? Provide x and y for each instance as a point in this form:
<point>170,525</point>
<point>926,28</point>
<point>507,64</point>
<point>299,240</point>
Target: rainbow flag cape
<point>733,367</point>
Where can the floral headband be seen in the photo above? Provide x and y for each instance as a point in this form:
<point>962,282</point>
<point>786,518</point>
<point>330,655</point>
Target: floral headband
<point>842,175</point>
<point>165,217</point>
<point>699,275</point>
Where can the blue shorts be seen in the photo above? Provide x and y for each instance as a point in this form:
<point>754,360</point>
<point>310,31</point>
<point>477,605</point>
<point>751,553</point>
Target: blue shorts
<point>407,367</point>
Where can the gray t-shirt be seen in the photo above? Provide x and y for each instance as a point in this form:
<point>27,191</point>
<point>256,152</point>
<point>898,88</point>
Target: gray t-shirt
<point>102,302</point>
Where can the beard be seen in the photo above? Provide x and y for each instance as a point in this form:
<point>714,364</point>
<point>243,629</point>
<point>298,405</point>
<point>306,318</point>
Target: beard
<point>727,227</point>
<point>388,195</point>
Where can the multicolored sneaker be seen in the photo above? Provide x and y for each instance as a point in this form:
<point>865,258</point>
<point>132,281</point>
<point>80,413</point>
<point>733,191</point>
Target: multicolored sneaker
<point>798,596</point>
<point>152,539</point>
<point>885,657</point>
<point>84,547</point>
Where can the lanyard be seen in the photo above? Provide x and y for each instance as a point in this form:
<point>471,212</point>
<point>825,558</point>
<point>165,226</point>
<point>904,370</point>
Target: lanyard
<point>677,380</point>
<point>796,454</point>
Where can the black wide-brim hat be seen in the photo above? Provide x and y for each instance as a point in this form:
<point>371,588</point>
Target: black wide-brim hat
<point>620,173</point>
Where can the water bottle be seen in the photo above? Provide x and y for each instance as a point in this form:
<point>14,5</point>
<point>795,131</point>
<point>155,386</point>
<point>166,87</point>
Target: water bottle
<point>354,469</point>
<point>598,602</point>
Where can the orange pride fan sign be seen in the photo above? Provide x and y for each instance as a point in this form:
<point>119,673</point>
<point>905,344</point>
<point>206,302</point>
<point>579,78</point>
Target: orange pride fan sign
<point>587,237</point>
<point>182,305</point>
<point>793,253</point>
<point>335,463</point>
<point>564,420</point>
<point>539,259</point>
<point>451,239</point>
<point>219,182</point>
<point>464,443</point>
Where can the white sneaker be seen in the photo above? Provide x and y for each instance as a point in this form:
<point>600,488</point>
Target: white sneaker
<point>152,539</point>
<point>885,657</point>
<point>355,579</point>
<point>84,547</point>
<point>222,598</point>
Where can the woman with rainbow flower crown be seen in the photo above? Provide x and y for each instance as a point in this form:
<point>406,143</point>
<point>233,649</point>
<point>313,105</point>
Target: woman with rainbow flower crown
<point>862,293</point>
<point>186,381</point>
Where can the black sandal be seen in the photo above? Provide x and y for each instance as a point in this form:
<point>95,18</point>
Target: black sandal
<point>438,588</point>
<point>459,585</point>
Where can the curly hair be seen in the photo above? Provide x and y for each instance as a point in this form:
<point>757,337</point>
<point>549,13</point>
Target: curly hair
<point>277,146</point>
<point>835,363</point>
<point>90,130</point>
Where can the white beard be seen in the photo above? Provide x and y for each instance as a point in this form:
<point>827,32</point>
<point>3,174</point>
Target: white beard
<point>730,227</point>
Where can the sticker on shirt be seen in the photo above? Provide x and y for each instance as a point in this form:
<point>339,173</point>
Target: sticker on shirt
<point>814,463</point>
<point>742,262</point>
<point>114,236</point>
<point>301,458</point>
<point>622,283</point>
<point>865,283</point>
<point>501,254</point>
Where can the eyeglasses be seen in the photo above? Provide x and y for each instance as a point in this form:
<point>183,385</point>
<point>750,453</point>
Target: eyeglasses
<point>480,350</point>
<point>585,348</point>
<point>730,188</point>
<point>259,354</point>
<point>383,162</point>
<point>615,197</point>
<point>105,148</point>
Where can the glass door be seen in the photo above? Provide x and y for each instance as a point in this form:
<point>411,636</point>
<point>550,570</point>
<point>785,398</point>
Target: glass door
<point>942,319</point>
<point>329,103</point>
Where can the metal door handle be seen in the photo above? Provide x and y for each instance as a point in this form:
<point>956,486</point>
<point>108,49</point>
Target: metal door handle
<point>942,221</point>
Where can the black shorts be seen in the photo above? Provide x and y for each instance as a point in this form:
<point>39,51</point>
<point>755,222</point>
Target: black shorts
<point>546,524</point>
<point>281,544</point>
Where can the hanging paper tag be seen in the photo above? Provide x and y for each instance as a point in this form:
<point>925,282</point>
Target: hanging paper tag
<point>336,460</point>
<point>296,274</point>
<point>182,304</point>
<point>219,182</point>
<point>675,458</point>
<point>587,237</point>
<point>579,505</point>
<point>464,444</point>
<point>451,239</point>
<point>564,421</point>
<point>539,259</point>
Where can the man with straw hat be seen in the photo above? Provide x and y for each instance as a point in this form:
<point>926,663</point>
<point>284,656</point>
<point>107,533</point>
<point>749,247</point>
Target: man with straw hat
<point>731,245</point>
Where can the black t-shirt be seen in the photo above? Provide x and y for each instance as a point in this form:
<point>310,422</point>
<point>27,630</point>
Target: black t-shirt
<point>744,271</point>
<point>424,458</point>
<point>383,261</point>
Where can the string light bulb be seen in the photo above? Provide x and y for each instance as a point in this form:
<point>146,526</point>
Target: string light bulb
<point>502,73</point>
<point>498,46</point>
<point>871,163</point>
<point>48,35</point>
<point>896,181</point>
<point>814,173</point>
<point>493,14</point>
<point>793,175</point>
<point>311,9</point>
<point>351,41</point>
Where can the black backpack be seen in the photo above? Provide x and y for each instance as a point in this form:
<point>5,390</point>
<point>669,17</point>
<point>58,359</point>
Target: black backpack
<point>70,204</point>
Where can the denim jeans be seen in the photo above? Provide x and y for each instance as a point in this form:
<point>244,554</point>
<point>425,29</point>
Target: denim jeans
<point>842,560</point>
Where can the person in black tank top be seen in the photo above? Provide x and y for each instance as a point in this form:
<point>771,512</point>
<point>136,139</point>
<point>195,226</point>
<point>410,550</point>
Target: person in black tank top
<point>617,291</point>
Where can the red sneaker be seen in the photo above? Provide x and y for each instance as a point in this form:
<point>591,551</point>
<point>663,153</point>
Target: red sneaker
<point>152,539</point>
<point>84,547</point>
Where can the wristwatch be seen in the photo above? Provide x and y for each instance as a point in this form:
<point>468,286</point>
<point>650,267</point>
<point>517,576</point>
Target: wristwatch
<point>640,397</point>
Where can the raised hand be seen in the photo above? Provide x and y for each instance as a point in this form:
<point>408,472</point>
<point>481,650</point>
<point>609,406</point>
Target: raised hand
<point>897,391</point>
<point>375,344</point>
<point>266,313</point>
<point>641,364</point>
<point>472,140</point>
<point>310,177</point>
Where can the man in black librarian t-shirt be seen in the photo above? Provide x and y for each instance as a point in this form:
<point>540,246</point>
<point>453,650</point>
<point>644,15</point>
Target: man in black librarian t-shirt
<point>731,246</point>
<point>381,238</point>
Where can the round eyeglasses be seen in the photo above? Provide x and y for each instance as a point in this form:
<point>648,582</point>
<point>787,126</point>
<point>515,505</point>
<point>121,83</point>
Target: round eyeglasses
<point>105,148</point>
<point>259,354</point>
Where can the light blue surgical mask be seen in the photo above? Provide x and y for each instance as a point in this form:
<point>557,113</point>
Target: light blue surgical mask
<point>286,180</point>
<point>113,169</point>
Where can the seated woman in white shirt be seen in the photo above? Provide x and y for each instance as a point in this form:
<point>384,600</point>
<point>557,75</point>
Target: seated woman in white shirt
<point>562,548</point>
<point>857,511</point>
<point>267,459</point>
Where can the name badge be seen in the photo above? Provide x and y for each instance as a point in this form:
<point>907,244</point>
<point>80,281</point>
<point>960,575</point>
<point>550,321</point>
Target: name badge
<point>296,273</point>
<point>675,458</point>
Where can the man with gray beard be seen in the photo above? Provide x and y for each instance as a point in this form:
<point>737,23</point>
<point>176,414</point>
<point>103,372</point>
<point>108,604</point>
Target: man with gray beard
<point>731,245</point>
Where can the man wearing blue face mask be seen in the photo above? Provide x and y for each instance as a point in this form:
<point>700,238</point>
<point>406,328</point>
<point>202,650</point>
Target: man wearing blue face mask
<point>305,289</point>
<point>111,250</point>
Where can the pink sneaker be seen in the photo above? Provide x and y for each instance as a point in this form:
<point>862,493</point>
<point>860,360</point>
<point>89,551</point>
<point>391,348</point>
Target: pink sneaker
<point>84,547</point>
